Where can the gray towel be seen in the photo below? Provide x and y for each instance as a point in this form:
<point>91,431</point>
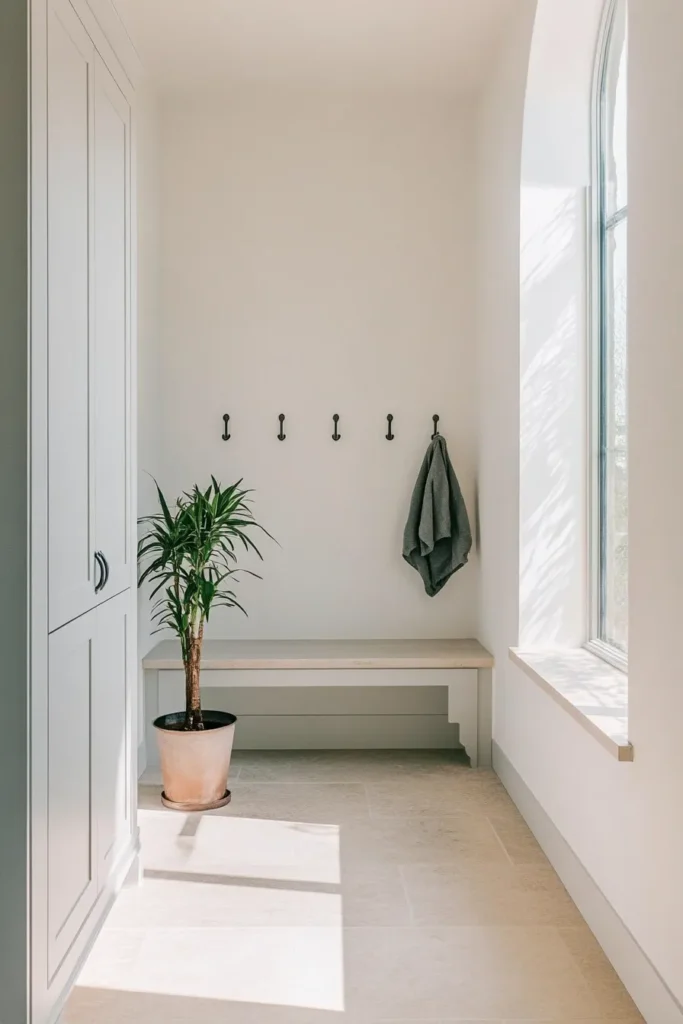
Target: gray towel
<point>437,537</point>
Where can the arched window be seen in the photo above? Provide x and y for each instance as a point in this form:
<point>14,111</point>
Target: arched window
<point>610,425</point>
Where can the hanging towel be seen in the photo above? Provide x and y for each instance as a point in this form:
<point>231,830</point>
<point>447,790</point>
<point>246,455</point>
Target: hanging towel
<point>437,537</point>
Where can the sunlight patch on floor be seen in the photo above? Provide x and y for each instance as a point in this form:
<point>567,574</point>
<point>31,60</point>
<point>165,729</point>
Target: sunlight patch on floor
<point>280,966</point>
<point>275,884</point>
<point>240,847</point>
<point>423,898</point>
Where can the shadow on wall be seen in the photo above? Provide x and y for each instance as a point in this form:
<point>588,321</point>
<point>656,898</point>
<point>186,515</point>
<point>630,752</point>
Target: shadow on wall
<point>552,417</point>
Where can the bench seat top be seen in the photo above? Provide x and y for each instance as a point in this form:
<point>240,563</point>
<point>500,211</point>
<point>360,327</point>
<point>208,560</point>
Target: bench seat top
<point>326,654</point>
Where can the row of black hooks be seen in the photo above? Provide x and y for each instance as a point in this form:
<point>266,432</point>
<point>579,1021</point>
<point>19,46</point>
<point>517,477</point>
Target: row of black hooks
<point>336,436</point>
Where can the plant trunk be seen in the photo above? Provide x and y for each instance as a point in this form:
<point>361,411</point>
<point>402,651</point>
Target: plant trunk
<point>193,707</point>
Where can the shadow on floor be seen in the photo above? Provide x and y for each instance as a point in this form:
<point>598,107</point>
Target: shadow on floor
<point>100,1006</point>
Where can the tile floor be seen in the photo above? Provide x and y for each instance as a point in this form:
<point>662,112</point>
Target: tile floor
<point>347,888</point>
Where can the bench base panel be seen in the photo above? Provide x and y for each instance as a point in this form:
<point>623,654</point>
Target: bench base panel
<point>339,709</point>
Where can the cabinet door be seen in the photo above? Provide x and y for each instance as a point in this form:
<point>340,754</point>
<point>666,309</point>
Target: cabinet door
<point>89,764</point>
<point>111,304</point>
<point>71,849</point>
<point>113,673</point>
<point>70,71</point>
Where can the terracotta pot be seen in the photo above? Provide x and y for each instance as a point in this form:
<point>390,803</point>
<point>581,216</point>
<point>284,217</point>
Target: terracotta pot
<point>195,765</point>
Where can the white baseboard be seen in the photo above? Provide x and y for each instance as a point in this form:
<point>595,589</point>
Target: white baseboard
<point>647,988</point>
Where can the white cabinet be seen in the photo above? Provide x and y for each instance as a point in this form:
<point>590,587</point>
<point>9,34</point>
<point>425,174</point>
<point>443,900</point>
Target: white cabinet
<point>83,678</point>
<point>68,833</point>
<point>88,768</point>
<point>71,839</point>
<point>89,317</point>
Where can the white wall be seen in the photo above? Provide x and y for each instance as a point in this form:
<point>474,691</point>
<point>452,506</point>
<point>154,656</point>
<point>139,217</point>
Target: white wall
<point>654,858</point>
<point>150,355</point>
<point>318,257</point>
<point>500,155</point>
<point>623,821</point>
<point>149,348</point>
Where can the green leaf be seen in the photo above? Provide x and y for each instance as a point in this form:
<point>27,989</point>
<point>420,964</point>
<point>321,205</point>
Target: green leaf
<point>188,555</point>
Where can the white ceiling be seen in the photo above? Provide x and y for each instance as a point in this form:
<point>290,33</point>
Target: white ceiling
<point>445,45</point>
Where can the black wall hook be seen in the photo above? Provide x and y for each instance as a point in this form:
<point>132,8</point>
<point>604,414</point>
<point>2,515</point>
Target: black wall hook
<point>435,418</point>
<point>390,436</point>
<point>226,433</point>
<point>336,436</point>
<point>281,436</point>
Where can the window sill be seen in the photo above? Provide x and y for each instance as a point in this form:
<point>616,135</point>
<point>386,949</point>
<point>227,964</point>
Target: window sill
<point>593,692</point>
<point>607,653</point>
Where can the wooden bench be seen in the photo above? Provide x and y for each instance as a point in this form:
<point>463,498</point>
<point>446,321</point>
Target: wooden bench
<point>464,666</point>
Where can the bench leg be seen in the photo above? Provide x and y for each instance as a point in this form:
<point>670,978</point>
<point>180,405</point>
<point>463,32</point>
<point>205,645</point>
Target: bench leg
<point>485,714</point>
<point>463,709</point>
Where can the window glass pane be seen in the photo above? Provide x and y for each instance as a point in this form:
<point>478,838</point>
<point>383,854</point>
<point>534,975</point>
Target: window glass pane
<point>614,498</point>
<point>615,113</point>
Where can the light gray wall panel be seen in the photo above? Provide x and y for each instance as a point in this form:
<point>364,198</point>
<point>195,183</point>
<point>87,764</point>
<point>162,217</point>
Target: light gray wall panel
<point>330,700</point>
<point>345,732</point>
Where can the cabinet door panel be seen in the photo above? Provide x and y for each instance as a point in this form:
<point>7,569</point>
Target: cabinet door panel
<point>112,725</point>
<point>112,334</point>
<point>71,855</point>
<point>70,74</point>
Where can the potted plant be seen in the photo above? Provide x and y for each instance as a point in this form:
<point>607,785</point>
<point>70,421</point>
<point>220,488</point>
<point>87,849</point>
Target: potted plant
<point>189,556</point>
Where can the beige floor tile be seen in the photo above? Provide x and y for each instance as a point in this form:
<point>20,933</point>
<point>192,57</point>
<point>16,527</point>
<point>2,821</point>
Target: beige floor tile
<point>97,1006</point>
<point>310,802</point>
<point>149,797</point>
<point>374,895</point>
<point>612,998</point>
<point>471,972</point>
<point>114,957</point>
<point>329,803</point>
<point>201,901</point>
<point>349,766</point>
<point>367,896</point>
<point>475,792</point>
<point>297,905</point>
<point>276,966</point>
<point>488,894</point>
<point>518,840</point>
<point>239,847</point>
<point>420,840</point>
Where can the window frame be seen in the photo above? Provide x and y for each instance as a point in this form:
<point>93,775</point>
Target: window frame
<point>600,226</point>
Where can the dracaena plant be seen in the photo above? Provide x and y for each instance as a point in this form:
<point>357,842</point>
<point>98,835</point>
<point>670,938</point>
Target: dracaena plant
<point>189,555</point>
